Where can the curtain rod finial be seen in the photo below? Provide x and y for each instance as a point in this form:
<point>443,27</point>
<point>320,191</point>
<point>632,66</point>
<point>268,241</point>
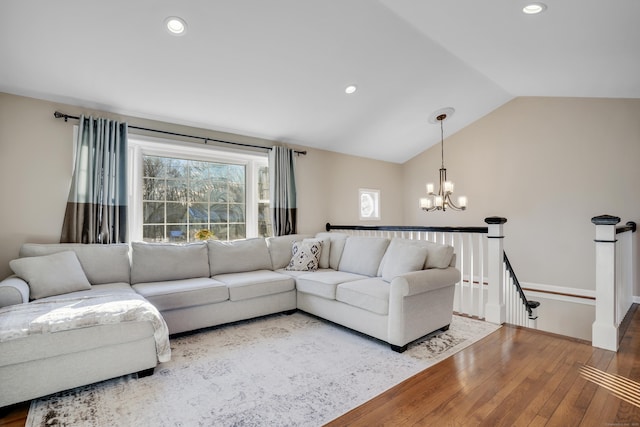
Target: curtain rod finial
<point>59,115</point>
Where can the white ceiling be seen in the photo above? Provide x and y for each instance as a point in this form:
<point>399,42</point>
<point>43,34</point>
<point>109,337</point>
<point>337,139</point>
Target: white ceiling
<point>277,69</point>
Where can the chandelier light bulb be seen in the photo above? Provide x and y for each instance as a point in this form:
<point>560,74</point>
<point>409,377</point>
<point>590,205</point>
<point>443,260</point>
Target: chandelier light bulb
<point>430,188</point>
<point>448,187</point>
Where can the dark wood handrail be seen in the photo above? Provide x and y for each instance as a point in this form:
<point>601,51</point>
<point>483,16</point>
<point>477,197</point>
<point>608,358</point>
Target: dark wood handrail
<point>529,305</point>
<point>330,227</point>
<point>629,226</point>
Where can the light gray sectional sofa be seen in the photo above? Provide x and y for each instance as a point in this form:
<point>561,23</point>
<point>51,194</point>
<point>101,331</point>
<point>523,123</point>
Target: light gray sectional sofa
<point>394,290</point>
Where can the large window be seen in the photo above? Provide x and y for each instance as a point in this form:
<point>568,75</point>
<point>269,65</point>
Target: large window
<point>180,190</point>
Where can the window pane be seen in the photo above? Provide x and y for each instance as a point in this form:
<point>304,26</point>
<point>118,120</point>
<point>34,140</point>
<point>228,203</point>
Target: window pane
<point>236,193</point>
<point>236,174</point>
<point>153,212</point>
<point>237,231</point>
<point>153,189</point>
<point>177,233</point>
<point>177,190</point>
<point>218,171</point>
<point>153,233</point>
<point>177,168</point>
<point>221,231</point>
<point>198,170</point>
<point>154,166</point>
<point>265,228</point>
<point>219,192</point>
<point>176,213</point>
<point>236,213</point>
<point>263,183</point>
<point>199,213</point>
<point>199,191</point>
<point>219,212</point>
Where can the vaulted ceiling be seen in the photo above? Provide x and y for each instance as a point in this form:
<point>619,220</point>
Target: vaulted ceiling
<point>277,69</point>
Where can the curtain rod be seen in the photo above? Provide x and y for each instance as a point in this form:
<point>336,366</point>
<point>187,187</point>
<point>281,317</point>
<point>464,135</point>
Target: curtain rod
<point>66,117</point>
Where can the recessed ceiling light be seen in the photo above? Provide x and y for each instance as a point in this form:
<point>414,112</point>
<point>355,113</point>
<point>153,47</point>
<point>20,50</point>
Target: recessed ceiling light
<point>350,89</point>
<point>534,8</point>
<point>176,26</point>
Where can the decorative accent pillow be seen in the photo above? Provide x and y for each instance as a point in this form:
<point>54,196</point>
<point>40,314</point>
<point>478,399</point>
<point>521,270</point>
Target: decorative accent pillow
<point>48,275</point>
<point>324,254</point>
<point>401,258</point>
<point>306,256</point>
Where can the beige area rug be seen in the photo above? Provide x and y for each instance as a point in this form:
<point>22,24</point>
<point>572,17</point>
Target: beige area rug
<point>280,370</point>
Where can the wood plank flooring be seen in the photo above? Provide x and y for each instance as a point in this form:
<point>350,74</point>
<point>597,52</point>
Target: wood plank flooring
<point>514,377</point>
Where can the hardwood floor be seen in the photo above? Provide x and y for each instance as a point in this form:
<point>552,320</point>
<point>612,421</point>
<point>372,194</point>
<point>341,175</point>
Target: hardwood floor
<point>514,377</point>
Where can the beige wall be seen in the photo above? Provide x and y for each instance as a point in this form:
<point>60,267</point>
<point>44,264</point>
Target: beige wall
<point>329,184</point>
<point>36,165</point>
<point>548,165</point>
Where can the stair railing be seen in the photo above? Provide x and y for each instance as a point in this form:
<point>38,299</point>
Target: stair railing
<point>615,278</point>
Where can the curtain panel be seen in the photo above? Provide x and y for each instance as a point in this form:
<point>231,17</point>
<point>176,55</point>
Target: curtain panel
<point>96,209</point>
<point>282,194</point>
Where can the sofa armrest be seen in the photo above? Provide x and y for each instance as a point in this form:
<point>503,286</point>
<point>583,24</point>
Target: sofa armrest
<point>417,282</point>
<point>13,290</point>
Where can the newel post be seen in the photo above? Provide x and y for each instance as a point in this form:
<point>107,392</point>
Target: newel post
<point>605,328</point>
<point>495,311</point>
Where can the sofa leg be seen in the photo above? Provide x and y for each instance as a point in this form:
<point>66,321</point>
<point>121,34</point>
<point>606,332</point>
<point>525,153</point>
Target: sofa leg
<point>399,349</point>
<point>145,373</point>
<point>445,328</point>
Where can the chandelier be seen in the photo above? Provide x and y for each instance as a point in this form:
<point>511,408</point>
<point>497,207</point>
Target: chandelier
<point>442,199</point>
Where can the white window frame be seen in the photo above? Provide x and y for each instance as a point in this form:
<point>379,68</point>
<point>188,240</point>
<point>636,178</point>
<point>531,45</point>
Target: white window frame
<point>140,145</point>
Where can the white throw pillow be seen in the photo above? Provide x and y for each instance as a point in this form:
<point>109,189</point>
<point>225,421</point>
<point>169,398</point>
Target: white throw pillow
<point>158,262</point>
<point>305,256</point>
<point>362,255</point>
<point>239,256</point>
<point>338,241</point>
<point>48,275</point>
<point>326,248</point>
<point>401,259</point>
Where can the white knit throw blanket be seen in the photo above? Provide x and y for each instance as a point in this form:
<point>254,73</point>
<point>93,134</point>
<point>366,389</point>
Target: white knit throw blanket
<point>64,313</point>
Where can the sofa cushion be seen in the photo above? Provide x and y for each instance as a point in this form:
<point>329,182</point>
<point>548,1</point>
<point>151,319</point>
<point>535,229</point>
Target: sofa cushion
<point>305,256</point>
<point>438,255</point>
<point>401,258</point>
<point>280,249</point>
<point>154,262</point>
<point>324,283</point>
<point>168,295</point>
<point>239,256</point>
<point>369,294</point>
<point>253,284</point>
<point>362,255</point>
<point>54,274</point>
<point>338,241</point>
<point>326,250</point>
<point>101,263</point>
